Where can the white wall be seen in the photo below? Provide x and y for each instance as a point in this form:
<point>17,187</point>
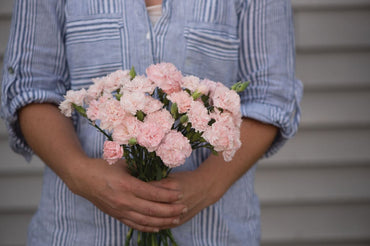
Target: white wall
<point>316,190</point>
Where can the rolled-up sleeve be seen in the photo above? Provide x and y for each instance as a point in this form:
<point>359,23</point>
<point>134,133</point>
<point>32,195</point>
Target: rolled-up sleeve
<point>35,69</point>
<point>267,60</point>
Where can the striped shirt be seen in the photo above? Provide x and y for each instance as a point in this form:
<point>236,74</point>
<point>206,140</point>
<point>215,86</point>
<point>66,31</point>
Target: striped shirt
<point>57,45</point>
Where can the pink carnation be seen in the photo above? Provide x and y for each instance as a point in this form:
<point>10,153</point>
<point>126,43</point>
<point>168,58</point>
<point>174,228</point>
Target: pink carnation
<point>182,99</point>
<point>226,118</point>
<point>165,76</point>
<point>210,85</point>
<point>174,149</point>
<point>190,82</point>
<point>236,144</point>
<point>95,108</point>
<point>92,111</point>
<point>163,118</point>
<point>152,105</point>
<point>224,135</point>
<point>227,99</point>
<point>72,97</point>
<point>150,136</point>
<point>219,135</point>
<point>139,84</point>
<point>133,101</point>
<point>95,90</point>
<point>198,116</point>
<point>114,80</point>
<point>112,152</point>
<point>111,115</point>
<point>129,128</point>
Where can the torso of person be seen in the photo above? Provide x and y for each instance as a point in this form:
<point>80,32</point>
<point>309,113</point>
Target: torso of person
<point>152,2</point>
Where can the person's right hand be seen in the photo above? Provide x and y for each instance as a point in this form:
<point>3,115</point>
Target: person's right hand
<point>140,205</point>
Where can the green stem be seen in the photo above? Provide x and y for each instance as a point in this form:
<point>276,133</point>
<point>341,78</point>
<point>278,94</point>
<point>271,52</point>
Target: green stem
<point>128,237</point>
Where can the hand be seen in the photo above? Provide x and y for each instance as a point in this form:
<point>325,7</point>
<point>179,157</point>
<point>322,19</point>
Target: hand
<point>198,193</point>
<point>113,190</point>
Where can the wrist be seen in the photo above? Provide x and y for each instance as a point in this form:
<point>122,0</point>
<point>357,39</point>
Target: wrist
<point>76,170</point>
<point>212,181</point>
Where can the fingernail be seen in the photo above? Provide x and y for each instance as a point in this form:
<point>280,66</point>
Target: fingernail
<point>180,196</point>
<point>156,230</point>
<point>176,221</point>
<point>185,210</point>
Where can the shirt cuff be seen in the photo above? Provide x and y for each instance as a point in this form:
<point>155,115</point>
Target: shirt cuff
<point>16,139</point>
<point>287,120</point>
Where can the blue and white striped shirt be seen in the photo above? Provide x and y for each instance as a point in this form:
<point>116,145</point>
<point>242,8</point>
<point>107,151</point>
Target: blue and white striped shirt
<point>56,45</point>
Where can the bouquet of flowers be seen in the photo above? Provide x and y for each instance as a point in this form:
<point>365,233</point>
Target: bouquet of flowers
<point>155,122</point>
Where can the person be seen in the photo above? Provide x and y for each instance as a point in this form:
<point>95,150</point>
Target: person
<point>57,45</point>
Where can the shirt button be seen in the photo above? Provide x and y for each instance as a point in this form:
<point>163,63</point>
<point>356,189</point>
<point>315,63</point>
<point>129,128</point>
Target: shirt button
<point>148,35</point>
<point>11,70</point>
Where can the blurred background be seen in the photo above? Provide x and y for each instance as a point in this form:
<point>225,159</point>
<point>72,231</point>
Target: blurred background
<point>316,190</point>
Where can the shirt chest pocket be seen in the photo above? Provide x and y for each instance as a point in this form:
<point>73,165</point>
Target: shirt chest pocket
<point>93,39</point>
<point>93,47</point>
<point>212,51</point>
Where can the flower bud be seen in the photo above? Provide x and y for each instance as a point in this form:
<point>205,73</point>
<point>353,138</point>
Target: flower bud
<point>132,73</point>
<point>140,115</point>
<point>132,141</point>
<point>184,119</point>
<point>196,95</point>
<point>174,110</point>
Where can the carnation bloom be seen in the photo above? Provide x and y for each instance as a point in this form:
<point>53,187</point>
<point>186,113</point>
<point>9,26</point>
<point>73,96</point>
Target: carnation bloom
<point>72,97</point>
<point>114,80</point>
<point>150,135</point>
<point>133,101</point>
<point>151,105</point>
<point>219,135</point>
<point>66,108</point>
<point>182,99</point>
<point>190,82</point>
<point>139,84</point>
<point>163,118</point>
<point>128,129</point>
<point>198,116</point>
<point>92,111</point>
<point>96,107</point>
<point>165,76</point>
<point>111,114</point>
<point>210,85</point>
<point>95,90</point>
<point>236,144</point>
<point>174,149</point>
<point>225,98</point>
<point>224,134</point>
<point>112,152</point>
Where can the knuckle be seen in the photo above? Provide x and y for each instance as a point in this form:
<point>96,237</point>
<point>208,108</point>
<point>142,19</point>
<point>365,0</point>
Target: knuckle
<point>143,222</point>
<point>118,203</point>
<point>149,211</point>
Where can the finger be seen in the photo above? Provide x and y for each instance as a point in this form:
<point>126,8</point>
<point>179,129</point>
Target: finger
<point>155,222</point>
<point>139,227</point>
<point>166,183</point>
<point>161,210</point>
<point>155,193</point>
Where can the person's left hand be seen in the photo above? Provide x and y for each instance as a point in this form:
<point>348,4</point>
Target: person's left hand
<point>198,192</point>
